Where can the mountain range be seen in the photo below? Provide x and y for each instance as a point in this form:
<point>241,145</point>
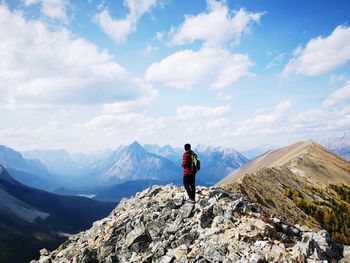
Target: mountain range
<point>339,145</point>
<point>29,172</point>
<point>174,154</point>
<point>218,162</point>
<point>32,218</point>
<point>120,172</point>
<point>304,186</point>
<point>132,163</point>
<point>288,205</point>
<point>56,161</point>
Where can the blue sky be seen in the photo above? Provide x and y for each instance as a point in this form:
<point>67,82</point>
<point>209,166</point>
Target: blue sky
<point>87,75</point>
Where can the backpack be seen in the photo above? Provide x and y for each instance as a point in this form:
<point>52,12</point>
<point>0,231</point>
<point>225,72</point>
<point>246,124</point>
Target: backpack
<point>195,163</point>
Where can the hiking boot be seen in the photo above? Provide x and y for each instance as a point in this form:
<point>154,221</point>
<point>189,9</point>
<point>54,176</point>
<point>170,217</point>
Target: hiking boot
<point>192,201</point>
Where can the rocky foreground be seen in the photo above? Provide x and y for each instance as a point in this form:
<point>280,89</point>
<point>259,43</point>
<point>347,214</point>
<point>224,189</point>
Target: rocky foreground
<point>159,225</point>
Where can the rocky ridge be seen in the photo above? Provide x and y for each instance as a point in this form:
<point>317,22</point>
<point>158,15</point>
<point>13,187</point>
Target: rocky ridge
<point>160,225</point>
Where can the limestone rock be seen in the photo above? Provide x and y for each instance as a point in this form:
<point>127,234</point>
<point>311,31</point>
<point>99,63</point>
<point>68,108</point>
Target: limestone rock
<point>157,225</point>
<point>139,238</point>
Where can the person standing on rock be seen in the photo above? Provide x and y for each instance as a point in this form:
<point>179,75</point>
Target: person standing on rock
<point>191,165</point>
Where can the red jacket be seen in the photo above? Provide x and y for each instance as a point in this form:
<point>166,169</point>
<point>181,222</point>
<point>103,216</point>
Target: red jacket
<point>186,162</point>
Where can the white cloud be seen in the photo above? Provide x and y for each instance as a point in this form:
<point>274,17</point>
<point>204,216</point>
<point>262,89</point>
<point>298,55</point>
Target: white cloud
<point>308,124</point>
<point>44,67</point>
<point>159,36</point>
<point>321,54</point>
<point>336,79</point>
<point>149,50</point>
<point>309,117</point>
<point>223,96</point>
<point>262,119</point>
<point>192,112</point>
<point>130,106</point>
<point>264,122</point>
<point>338,95</point>
<point>119,29</point>
<point>186,68</point>
<point>102,131</point>
<point>128,125</point>
<point>318,120</point>
<point>259,110</point>
<point>217,27</point>
<point>213,65</point>
<point>56,9</point>
<point>110,120</point>
<point>219,123</point>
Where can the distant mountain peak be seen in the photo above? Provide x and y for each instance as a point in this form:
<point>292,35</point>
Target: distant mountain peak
<point>136,146</point>
<point>339,144</point>
<point>136,143</point>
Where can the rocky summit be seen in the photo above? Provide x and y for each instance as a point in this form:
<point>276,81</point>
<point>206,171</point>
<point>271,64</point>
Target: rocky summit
<point>160,225</point>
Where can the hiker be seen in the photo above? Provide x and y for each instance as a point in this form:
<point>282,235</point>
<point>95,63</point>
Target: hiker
<point>191,165</point>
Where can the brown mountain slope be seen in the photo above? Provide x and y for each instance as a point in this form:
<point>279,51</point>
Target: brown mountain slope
<point>267,187</point>
<point>303,183</point>
<point>307,159</point>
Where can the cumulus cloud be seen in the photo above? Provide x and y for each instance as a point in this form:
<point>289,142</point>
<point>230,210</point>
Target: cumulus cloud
<point>337,79</point>
<point>304,124</point>
<point>321,54</point>
<point>56,9</point>
<point>212,65</point>
<point>314,121</point>
<point>219,123</point>
<point>190,112</point>
<point>44,67</point>
<point>119,29</point>
<point>186,68</point>
<point>278,112</point>
<point>223,96</point>
<point>338,95</point>
<point>216,27</point>
<point>149,50</point>
<point>127,125</point>
<point>264,122</point>
<point>130,106</point>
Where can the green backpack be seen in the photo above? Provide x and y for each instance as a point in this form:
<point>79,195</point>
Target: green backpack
<point>195,163</point>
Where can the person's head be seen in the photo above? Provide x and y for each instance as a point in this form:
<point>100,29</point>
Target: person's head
<point>187,146</point>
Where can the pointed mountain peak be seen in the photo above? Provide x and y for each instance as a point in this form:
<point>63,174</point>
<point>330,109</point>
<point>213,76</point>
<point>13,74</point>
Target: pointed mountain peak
<point>136,146</point>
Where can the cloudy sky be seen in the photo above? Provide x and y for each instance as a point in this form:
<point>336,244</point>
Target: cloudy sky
<point>87,75</point>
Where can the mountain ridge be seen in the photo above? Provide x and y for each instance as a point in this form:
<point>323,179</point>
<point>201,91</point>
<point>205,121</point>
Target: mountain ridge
<point>292,156</point>
<point>301,183</point>
<point>157,225</point>
<point>29,172</point>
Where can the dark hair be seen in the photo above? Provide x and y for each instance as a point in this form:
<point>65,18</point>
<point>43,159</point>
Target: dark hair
<point>187,146</point>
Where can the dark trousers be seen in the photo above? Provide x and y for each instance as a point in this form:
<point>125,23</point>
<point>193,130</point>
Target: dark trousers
<point>190,185</point>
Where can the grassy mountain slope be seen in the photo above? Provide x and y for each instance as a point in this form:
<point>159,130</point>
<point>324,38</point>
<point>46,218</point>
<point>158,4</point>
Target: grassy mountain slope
<point>303,183</point>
